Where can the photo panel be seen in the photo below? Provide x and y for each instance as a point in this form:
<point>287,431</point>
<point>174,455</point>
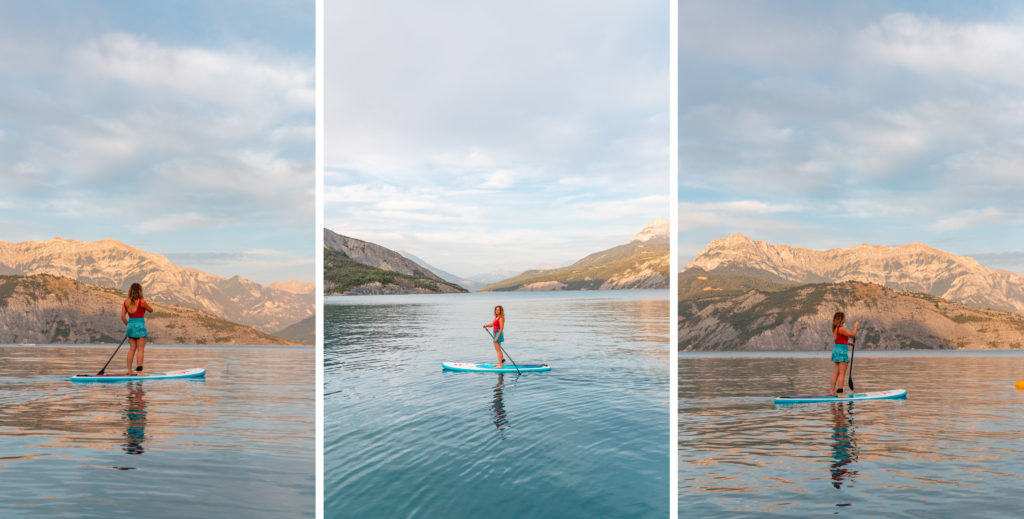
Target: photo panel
<point>849,301</point>
<point>157,259</point>
<point>496,259</point>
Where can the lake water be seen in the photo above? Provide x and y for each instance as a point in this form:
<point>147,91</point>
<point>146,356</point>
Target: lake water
<point>590,438</point>
<point>953,448</point>
<point>239,443</point>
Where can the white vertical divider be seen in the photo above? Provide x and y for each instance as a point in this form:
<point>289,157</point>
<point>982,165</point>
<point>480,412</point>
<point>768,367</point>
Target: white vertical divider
<point>673,148</point>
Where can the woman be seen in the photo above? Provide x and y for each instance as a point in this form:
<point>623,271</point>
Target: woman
<point>133,312</point>
<point>499,333</point>
<point>840,351</point>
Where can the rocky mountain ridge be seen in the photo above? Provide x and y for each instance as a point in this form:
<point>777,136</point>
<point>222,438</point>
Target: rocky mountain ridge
<point>110,263</point>
<point>643,263</point>
<point>47,309</point>
<point>356,267</point>
<point>915,267</point>
<point>719,312</point>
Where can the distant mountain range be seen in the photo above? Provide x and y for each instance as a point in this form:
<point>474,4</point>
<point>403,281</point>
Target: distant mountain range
<point>641,263</point>
<point>357,267</point>
<point>742,294</point>
<point>915,267</point>
<point>110,263</point>
<point>47,309</point>
<point>736,312</point>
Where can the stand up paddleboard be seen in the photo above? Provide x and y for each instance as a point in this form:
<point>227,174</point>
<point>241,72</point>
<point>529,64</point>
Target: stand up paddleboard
<point>124,377</point>
<point>507,368</point>
<point>876,395</point>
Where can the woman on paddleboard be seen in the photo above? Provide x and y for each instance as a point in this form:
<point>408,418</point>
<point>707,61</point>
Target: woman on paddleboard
<point>133,312</point>
<point>840,351</point>
<point>499,333</point>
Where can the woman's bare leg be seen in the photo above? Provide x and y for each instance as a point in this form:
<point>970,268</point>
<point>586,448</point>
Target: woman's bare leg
<point>132,346</point>
<point>141,353</point>
<point>501,360</point>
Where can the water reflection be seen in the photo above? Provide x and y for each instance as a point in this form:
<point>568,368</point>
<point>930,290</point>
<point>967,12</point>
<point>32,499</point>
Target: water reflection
<point>135,419</point>
<point>844,445</point>
<point>500,417</point>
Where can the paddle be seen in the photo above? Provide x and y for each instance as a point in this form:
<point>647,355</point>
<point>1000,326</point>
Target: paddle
<point>112,356</point>
<point>850,371</point>
<point>503,351</point>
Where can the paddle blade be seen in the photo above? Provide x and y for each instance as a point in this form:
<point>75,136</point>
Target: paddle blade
<point>852,341</point>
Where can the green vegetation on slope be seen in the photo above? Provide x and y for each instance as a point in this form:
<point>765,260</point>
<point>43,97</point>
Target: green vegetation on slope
<point>342,274</point>
<point>590,272</point>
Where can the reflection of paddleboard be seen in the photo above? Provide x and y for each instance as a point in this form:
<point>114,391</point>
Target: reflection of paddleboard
<point>1019,384</point>
<point>507,368</point>
<point>123,377</point>
<point>875,395</point>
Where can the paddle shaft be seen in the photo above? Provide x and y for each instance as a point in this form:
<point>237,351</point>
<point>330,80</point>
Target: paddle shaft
<point>495,338</point>
<point>104,369</point>
<point>850,370</point>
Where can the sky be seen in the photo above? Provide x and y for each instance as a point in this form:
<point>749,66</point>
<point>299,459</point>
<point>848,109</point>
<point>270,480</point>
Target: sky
<point>484,136</point>
<point>831,124</point>
<point>184,128</point>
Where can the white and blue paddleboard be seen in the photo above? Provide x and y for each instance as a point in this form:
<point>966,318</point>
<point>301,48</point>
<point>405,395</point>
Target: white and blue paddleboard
<point>124,377</point>
<point>875,395</point>
<point>507,368</point>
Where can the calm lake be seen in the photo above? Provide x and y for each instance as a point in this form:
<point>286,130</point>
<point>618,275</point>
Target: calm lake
<point>239,443</point>
<point>590,438</point>
<point>953,448</point>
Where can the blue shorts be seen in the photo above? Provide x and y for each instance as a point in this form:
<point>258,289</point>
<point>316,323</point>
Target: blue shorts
<point>840,353</point>
<point>500,337</point>
<point>136,327</point>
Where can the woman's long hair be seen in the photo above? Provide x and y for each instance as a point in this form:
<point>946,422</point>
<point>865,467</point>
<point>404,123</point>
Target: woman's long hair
<point>135,292</point>
<point>501,310</point>
<point>837,321</point>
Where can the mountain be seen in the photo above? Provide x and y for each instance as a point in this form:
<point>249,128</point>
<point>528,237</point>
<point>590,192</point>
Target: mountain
<point>641,263</point>
<point>915,267</point>
<point>302,332</point>
<point>737,312</point>
<point>465,282</point>
<point>110,263</point>
<point>294,286</point>
<point>356,267</point>
<point>47,309</point>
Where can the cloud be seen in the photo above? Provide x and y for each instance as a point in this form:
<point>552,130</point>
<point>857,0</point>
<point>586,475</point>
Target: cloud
<point>974,218</point>
<point>237,78</point>
<point>168,222</point>
<point>932,46</point>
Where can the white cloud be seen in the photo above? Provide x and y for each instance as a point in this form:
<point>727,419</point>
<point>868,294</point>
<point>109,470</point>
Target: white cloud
<point>974,218</point>
<point>238,79</point>
<point>170,222</point>
<point>929,45</point>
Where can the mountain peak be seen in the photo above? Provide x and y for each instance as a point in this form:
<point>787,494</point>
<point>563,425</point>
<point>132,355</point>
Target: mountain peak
<point>655,230</point>
<point>915,267</point>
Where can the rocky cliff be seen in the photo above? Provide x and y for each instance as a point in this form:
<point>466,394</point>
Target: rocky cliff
<point>49,309</point>
<point>915,267</point>
<point>737,312</point>
<point>344,275</point>
<point>110,263</point>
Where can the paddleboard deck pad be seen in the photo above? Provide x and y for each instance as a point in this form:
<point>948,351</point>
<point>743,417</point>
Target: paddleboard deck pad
<point>507,368</point>
<point>124,377</point>
<point>852,397</point>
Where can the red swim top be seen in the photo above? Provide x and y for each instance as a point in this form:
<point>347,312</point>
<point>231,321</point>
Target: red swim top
<point>497,325</point>
<point>140,311</point>
<point>840,338</point>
